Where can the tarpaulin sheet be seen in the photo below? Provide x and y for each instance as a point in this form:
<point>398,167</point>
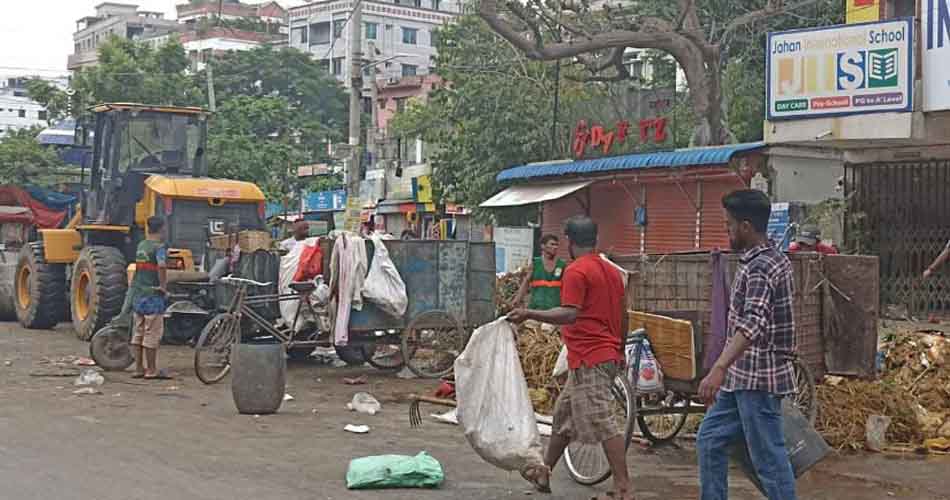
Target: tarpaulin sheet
<point>53,200</point>
<point>42,216</point>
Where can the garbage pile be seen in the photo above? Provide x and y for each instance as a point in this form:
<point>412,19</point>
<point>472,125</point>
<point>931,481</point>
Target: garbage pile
<point>506,287</point>
<point>538,348</point>
<point>913,392</point>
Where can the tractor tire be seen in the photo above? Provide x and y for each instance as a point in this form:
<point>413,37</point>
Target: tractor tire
<point>40,289</point>
<point>97,289</point>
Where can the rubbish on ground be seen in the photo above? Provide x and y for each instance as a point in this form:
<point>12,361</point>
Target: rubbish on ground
<point>87,390</point>
<point>84,362</point>
<point>451,417</point>
<point>833,380</point>
<point>940,444</point>
<point>446,390</point>
<point>494,406</point>
<point>339,363</point>
<point>288,397</point>
<point>8,363</point>
<point>406,374</point>
<point>361,380</point>
<point>364,402</point>
<point>89,377</point>
<point>394,471</point>
<point>876,429</point>
<point>356,429</point>
<point>54,373</point>
<point>914,391</point>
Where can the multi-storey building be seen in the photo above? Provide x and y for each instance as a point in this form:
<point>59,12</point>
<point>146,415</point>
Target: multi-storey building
<point>399,37</point>
<point>17,109</point>
<point>118,19</point>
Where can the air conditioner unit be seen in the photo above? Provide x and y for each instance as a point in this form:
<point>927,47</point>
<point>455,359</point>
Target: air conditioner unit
<point>392,80</point>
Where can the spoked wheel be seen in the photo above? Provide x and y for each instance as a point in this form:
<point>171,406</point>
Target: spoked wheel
<point>664,427</point>
<point>432,342</point>
<point>586,463</point>
<point>213,349</point>
<point>805,399</point>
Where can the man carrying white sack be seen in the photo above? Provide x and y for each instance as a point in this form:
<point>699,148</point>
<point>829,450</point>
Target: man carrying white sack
<point>593,315</point>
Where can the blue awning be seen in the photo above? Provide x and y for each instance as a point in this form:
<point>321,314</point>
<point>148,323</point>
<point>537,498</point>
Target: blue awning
<point>693,157</point>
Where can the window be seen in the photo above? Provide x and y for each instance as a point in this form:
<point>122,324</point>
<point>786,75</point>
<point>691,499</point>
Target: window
<point>401,104</point>
<point>319,33</point>
<point>325,65</point>
<point>338,66</point>
<point>22,113</point>
<point>298,36</point>
<point>417,3</point>
<point>338,27</point>
<point>436,4</point>
<point>410,36</point>
<point>409,69</point>
<point>434,38</point>
<point>371,30</point>
<point>41,115</point>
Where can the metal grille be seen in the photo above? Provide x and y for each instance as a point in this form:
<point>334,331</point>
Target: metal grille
<point>189,222</point>
<point>901,212</point>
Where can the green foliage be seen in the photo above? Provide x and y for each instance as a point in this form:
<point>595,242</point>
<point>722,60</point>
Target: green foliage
<point>56,101</point>
<point>276,109</point>
<point>24,161</point>
<point>495,113</point>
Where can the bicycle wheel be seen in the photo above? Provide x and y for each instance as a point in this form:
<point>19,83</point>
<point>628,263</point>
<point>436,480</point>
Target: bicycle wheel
<point>587,463</point>
<point>805,399</point>
<point>664,427</point>
<point>213,350</point>
<point>432,342</point>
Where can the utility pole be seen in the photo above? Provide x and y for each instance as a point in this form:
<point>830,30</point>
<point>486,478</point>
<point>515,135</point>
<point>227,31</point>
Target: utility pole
<point>356,88</point>
<point>211,101</point>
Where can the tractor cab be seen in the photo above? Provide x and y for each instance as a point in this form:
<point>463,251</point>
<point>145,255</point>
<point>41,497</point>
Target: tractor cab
<point>133,142</point>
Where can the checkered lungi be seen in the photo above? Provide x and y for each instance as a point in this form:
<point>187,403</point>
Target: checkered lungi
<point>586,410</point>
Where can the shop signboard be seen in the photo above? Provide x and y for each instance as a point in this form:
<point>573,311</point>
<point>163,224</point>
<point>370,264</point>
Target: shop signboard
<point>324,201</point>
<point>863,11</point>
<point>935,50</point>
<point>514,248</point>
<point>842,70</point>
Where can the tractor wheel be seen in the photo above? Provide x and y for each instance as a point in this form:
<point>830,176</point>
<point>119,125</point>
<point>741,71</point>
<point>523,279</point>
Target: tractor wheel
<point>97,290</point>
<point>39,290</point>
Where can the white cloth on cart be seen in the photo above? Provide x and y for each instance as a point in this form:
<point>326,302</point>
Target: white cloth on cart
<point>348,265</point>
<point>384,287</point>
<point>289,264</point>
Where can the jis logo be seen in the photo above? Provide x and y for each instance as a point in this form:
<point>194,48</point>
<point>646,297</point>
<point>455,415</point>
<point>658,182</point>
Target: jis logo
<point>851,70</point>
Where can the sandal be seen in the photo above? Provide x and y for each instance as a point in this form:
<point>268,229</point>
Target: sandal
<point>161,375</point>
<point>138,375</point>
<point>539,476</point>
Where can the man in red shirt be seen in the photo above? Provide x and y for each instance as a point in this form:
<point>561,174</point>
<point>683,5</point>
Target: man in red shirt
<point>594,319</point>
<point>809,240</point>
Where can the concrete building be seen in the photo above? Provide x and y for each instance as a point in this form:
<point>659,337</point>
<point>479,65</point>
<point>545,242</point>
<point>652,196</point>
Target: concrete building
<point>203,44</point>
<point>114,19</point>
<point>399,35</point>
<point>267,12</point>
<point>17,110</point>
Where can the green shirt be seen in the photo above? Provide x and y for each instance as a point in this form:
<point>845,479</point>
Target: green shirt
<point>149,256</point>
<point>546,286</point>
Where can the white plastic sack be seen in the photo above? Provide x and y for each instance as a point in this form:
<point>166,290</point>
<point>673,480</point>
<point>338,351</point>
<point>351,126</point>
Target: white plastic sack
<point>288,268</point>
<point>383,286</point>
<point>650,378</point>
<point>560,366</point>
<point>494,407</point>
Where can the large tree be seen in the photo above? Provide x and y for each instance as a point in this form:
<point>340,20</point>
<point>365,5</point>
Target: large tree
<point>701,35</point>
<point>24,161</point>
<point>494,111</point>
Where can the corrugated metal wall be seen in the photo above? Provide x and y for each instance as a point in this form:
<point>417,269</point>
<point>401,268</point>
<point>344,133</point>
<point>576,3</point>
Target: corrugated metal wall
<point>671,216</point>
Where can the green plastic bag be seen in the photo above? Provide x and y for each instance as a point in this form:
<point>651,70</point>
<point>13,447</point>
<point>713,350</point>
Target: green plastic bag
<point>394,471</point>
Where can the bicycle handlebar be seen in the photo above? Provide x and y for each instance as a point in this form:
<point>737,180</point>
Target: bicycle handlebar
<point>242,281</point>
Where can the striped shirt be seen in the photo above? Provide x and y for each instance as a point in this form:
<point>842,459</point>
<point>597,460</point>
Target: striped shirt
<point>761,309</point>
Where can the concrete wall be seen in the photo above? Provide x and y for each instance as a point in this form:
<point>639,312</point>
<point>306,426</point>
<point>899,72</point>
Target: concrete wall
<point>805,176</point>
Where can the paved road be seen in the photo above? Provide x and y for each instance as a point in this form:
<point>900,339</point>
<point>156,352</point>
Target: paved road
<point>180,439</point>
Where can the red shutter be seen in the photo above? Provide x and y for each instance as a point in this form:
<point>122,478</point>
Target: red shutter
<point>553,215</point>
<point>714,233</point>
<point>613,210</point>
<point>671,218</point>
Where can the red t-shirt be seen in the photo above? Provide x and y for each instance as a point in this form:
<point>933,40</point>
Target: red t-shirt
<point>822,248</point>
<point>595,288</point>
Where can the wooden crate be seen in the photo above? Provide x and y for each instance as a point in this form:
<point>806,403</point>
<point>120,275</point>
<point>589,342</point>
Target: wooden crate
<point>249,241</point>
<point>674,343</point>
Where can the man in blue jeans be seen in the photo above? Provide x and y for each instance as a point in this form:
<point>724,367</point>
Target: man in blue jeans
<point>754,372</point>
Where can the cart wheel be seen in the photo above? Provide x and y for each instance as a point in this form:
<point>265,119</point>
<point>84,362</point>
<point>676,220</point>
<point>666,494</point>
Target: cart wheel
<point>110,349</point>
<point>213,350</point>
<point>662,428</point>
<point>432,342</point>
<point>805,399</point>
<point>384,356</point>
<point>586,463</point>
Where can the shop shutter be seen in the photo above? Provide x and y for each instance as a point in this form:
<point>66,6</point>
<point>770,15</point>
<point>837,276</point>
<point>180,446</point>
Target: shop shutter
<point>714,233</point>
<point>613,210</point>
<point>555,213</point>
<point>671,218</point>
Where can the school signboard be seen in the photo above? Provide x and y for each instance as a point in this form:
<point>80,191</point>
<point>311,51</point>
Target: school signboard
<point>842,70</point>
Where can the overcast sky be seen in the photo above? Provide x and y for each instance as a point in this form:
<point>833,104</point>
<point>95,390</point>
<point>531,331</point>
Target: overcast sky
<point>36,36</point>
